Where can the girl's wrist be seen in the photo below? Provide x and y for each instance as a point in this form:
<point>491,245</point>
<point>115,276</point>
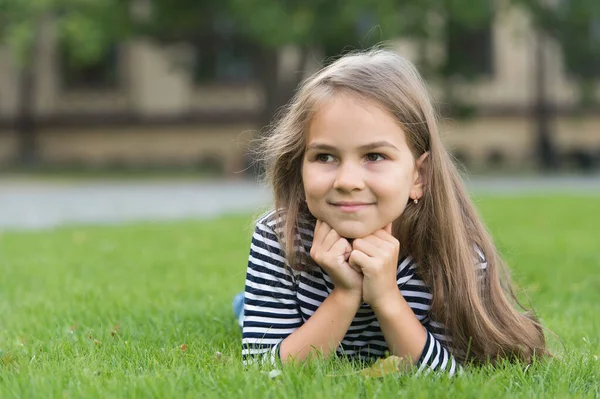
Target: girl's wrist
<point>388,302</point>
<point>347,296</point>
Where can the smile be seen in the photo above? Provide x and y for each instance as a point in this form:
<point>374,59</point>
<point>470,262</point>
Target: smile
<point>351,206</point>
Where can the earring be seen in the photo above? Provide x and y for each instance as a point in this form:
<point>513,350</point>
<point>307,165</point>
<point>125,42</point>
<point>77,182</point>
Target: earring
<point>416,198</point>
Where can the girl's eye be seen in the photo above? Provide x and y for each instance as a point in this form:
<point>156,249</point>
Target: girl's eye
<point>374,157</point>
<point>324,158</point>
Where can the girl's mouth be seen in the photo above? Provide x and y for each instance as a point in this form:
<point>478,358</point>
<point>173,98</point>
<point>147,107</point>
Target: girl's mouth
<point>351,206</point>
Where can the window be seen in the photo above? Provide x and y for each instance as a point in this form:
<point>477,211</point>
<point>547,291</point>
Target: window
<point>469,49</point>
<point>364,33</point>
<point>225,59</point>
<point>576,25</point>
<point>581,48</point>
<point>100,73</point>
<point>223,55</point>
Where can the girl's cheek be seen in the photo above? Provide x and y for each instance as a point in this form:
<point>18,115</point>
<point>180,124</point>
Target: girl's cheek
<point>319,181</point>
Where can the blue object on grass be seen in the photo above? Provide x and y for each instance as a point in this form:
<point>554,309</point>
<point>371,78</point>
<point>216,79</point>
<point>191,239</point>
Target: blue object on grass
<point>238,308</point>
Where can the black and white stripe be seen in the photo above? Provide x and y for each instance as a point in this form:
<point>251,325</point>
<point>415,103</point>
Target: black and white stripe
<point>278,300</point>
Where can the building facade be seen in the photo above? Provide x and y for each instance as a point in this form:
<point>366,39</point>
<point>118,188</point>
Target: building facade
<point>151,104</point>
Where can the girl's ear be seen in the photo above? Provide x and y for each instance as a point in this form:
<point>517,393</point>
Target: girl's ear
<point>420,175</point>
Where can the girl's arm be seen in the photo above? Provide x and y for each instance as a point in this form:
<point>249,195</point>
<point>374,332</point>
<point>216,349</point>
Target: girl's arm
<point>273,327</point>
<point>408,330</point>
<point>398,325</point>
<point>408,338</point>
<point>271,312</point>
<point>324,330</point>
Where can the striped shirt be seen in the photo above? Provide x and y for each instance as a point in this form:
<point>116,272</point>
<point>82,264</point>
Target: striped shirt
<point>278,300</point>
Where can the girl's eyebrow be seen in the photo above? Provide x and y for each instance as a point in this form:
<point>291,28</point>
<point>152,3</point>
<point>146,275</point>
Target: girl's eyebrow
<point>365,147</point>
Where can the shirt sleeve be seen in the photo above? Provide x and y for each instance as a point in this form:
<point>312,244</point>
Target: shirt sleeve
<point>435,355</point>
<point>271,312</point>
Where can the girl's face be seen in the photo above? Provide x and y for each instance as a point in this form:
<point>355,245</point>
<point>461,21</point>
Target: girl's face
<point>358,171</point>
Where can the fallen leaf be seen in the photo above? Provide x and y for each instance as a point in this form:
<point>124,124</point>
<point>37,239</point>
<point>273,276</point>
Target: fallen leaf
<point>383,367</point>
<point>97,342</point>
<point>218,355</point>
<point>274,373</point>
<point>115,330</point>
<point>183,347</point>
<point>8,359</point>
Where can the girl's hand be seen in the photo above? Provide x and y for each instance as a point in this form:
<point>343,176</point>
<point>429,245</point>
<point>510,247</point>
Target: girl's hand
<point>376,255</point>
<point>331,251</point>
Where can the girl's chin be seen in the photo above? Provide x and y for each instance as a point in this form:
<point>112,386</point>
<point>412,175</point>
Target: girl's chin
<point>352,232</point>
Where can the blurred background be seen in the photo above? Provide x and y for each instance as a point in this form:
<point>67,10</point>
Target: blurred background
<point>183,86</point>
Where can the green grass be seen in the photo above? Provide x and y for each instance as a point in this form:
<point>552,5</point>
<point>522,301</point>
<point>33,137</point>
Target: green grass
<point>104,312</point>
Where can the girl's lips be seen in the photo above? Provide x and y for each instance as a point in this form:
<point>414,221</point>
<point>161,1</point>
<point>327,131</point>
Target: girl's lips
<point>351,207</point>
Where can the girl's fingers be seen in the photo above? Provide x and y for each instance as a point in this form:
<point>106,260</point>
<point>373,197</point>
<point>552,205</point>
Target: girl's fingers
<point>341,246</point>
<point>358,260</point>
<point>355,268</point>
<point>330,240</point>
<point>353,265</point>
<point>368,246</point>
<point>384,236</point>
<point>321,231</point>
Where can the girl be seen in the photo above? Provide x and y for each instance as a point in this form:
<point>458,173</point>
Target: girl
<point>373,245</point>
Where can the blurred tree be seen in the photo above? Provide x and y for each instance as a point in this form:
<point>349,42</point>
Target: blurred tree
<point>455,45</point>
<point>86,27</point>
<point>337,26</point>
<point>326,27</point>
<point>255,31</point>
<point>575,25</point>
<point>259,29</point>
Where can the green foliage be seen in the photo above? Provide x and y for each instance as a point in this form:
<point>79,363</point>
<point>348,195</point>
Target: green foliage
<point>575,24</point>
<point>270,23</point>
<point>18,19</point>
<point>85,27</point>
<point>144,310</point>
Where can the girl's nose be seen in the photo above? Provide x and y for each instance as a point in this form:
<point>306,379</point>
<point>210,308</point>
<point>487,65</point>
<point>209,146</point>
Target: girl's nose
<point>349,177</point>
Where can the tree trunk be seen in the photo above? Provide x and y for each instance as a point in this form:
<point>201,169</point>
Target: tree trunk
<point>278,90</point>
<point>26,119</point>
<point>268,75</point>
<point>25,123</point>
<point>545,148</point>
<point>300,72</point>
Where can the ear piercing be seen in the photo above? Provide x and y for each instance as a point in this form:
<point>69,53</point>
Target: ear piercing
<point>415,198</point>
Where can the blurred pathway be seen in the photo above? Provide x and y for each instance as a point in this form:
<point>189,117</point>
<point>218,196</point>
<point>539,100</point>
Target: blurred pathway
<point>26,204</point>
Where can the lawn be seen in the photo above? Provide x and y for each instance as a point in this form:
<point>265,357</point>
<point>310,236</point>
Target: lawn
<point>144,310</point>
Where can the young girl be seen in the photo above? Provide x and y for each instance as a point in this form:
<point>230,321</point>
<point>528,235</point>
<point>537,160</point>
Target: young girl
<point>373,245</point>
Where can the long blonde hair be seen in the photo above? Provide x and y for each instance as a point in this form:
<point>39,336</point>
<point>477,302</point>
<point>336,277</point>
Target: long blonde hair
<point>442,233</point>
